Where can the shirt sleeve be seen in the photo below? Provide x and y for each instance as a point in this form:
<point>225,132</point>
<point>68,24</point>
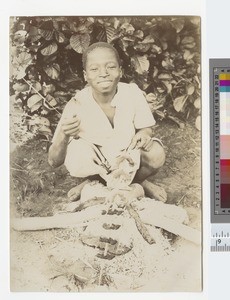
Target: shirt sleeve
<point>69,111</point>
<point>142,115</point>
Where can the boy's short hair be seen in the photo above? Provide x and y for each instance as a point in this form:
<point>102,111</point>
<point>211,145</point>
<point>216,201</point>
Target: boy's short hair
<point>99,45</point>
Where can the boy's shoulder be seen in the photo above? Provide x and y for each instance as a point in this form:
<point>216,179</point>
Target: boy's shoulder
<point>130,89</point>
<point>128,86</point>
<point>80,95</point>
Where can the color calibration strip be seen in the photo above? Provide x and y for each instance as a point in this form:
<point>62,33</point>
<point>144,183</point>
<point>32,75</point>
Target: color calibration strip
<point>220,140</point>
<point>224,90</point>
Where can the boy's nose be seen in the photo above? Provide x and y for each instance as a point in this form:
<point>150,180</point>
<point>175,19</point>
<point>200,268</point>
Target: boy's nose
<point>103,72</point>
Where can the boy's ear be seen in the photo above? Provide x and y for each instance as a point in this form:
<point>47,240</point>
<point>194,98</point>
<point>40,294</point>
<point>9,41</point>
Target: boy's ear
<point>84,74</point>
<point>121,72</point>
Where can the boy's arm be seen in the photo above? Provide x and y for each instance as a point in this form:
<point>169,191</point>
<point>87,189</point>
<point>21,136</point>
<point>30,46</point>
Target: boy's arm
<point>68,127</point>
<point>57,151</point>
<point>142,139</point>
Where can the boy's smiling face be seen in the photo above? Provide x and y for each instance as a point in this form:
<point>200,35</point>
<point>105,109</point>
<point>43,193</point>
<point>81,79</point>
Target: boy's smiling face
<point>102,70</point>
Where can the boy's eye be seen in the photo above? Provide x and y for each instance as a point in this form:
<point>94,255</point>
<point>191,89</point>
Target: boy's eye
<point>111,66</point>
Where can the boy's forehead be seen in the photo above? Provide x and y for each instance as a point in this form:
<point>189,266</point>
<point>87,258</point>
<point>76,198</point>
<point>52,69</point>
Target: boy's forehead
<point>101,53</point>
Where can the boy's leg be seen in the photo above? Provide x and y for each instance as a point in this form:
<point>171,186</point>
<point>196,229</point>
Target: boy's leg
<point>79,159</point>
<point>151,161</point>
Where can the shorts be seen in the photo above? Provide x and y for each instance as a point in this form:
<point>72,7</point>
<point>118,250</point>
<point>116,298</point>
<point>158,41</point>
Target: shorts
<point>80,156</point>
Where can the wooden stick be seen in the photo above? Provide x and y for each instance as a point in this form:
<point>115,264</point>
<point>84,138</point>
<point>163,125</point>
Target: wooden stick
<point>173,226</point>
<point>58,221</point>
<point>89,203</point>
<point>140,225</point>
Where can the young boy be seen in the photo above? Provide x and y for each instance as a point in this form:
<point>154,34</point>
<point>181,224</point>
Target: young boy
<point>103,119</point>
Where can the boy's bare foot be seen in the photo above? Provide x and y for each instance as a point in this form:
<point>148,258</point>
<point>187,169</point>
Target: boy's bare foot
<point>74,194</point>
<point>70,207</point>
<point>154,191</point>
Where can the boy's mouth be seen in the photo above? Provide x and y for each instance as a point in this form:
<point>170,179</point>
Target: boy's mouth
<point>105,83</point>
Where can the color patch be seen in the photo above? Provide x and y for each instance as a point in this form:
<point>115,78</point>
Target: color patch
<point>224,83</point>
<point>225,171</point>
<point>225,195</point>
<point>224,107</point>
<point>225,147</point>
<point>225,89</point>
<point>224,76</point>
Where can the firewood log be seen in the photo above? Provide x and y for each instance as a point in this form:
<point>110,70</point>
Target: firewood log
<point>140,225</point>
<point>158,220</point>
<point>57,221</point>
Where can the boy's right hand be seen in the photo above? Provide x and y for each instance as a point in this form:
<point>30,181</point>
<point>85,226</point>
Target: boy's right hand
<point>71,126</point>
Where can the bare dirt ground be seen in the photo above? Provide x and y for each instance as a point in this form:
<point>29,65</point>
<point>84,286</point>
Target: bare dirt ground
<point>56,261</point>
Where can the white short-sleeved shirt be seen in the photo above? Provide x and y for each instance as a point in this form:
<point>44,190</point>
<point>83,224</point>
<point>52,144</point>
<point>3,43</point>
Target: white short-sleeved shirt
<point>132,113</point>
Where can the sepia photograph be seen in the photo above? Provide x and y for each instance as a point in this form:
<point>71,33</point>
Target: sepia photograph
<point>105,153</point>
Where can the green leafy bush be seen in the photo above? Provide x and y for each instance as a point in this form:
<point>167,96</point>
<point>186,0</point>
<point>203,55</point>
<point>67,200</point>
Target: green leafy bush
<point>160,54</point>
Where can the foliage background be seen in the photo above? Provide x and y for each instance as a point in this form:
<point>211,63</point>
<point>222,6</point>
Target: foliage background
<point>160,54</point>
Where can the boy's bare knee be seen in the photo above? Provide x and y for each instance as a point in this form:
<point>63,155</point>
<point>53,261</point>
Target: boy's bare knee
<point>155,157</point>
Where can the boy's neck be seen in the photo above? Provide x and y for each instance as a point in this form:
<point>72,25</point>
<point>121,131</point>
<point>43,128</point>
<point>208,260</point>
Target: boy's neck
<point>103,98</point>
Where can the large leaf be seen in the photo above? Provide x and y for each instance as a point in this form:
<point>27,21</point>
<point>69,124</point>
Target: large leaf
<point>23,59</point>
<point>168,64</point>
<point>102,36</point>
<point>178,24</point>
<point>46,34</point>
<point>20,63</point>
<point>198,123</point>
<point>168,86</point>
<point>80,42</point>
<point>51,101</point>
<point>59,36</point>
<point>20,87</point>
<point>148,40</point>
<point>190,89</point>
<point>197,103</point>
<point>127,28</point>
<point>179,102</point>
<point>44,130</point>
<point>34,34</point>
<point>110,34</point>
<point>41,125</point>
<point>156,49</point>
<point>37,86</point>
<point>53,71</point>
<point>82,29</point>
<point>165,76</point>
<point>19,72</point>
<point>151,97</point>
<point>195,20</point>
<point>50,49</point>
<point>155,71</point>
<point>38,120</point>
<point>142,47</point>
<point>139,34</point>
<point>34,102</point>
<point>187,40</point>
<point>48,89</point>
<point>189,45</point>
<point>140,64</point>
<point>20,36</point>
<point>164,45</point>
<point>124,45</point>
<point>188,55</point>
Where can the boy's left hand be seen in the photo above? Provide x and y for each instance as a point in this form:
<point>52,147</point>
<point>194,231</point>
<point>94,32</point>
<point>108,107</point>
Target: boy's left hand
<point>142,140</point>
